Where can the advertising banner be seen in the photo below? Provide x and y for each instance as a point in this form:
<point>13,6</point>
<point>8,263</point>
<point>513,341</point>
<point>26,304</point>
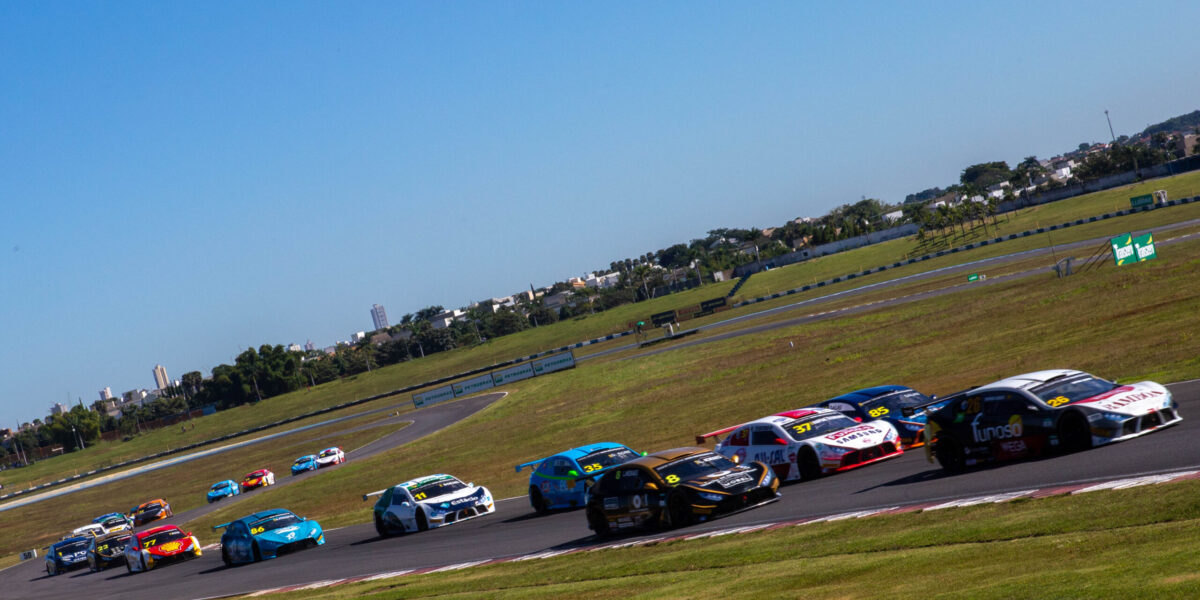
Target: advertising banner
<point>433,396</point>
<point>1143,247</point>
<point>512,374</point>
<point>1122,249</point>
<point>662,318</point>
<point>554,363</point>
<point>1140,201</point>
<point>713,303</point>
<point>470,386</point>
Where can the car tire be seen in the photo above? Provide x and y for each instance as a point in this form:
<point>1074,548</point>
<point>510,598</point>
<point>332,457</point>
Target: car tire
<point>598,523</point>
<point>225,556</point>
<point>128,568</point>
<point>422,522</point>
<point>50,570</point>
<point>950,455</point>
<point>540,506</point>
<point>257,553</point>
<point>808,465</point>
<point>679,514</point>
<point>380,528</point>
<point>1074,433</point>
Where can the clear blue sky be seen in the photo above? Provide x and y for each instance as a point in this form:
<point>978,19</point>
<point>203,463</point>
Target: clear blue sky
<point>181,181</point>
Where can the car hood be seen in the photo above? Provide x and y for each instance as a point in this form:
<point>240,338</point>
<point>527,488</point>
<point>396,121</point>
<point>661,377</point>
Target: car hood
<point>857,437</point>
<point>291,533</point>
<point>325,459</point>
<point>225,491</point>
<point>171,548</point>
<point>729,481</point>
<point>1133,399</point>
<point>461,498</point>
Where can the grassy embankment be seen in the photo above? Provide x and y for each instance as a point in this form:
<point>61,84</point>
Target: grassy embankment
<point>1134,543</point>
<point>573,330</point>
<point>183,485</point>
<point>1109,322</point>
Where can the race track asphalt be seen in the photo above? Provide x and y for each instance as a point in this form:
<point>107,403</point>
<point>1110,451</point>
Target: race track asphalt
<point>515,530</point>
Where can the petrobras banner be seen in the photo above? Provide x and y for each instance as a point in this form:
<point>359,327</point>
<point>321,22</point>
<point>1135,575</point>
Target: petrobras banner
<point>512,374</point>
<point>433,396</point>
<point>470,386</point>
<point>554,363</point>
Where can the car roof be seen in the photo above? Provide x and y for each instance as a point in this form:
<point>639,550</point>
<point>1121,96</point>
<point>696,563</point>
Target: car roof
<point>256,472</point>
<point>155,530</point>
<point>582,451</point>
<point>113,534</point>
<point>331,448</point>
<point>858,396</point>
<point>308,456</point>
<point>1028,380</point>
<point>149,502</point>
<point>77,538</point>
<point>426,479</point>
<point>662,457</point>
<point>262,514</point>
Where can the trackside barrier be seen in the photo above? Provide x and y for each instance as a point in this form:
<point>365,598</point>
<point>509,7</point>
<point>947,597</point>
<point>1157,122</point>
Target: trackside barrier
<point>980,244</point>
<point>544,366</point>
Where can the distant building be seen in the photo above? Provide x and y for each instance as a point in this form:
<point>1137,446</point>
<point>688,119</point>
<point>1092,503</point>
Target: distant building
<point>161,381</point>
<point>106,394</point>
<point>309,346</point>
<point>893,216</point>
<point>58,408</point>
<point>330,350</point>
<point>358,336</point>
<point>294,348</point>
<point>607,280</point>
<point>5,433</point>
<point>379,317</point>
<point>443,320</point>
<point>134,396</point>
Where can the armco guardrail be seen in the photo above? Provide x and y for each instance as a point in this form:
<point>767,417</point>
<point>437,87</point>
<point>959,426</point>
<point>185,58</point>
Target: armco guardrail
<point>1023,234</point>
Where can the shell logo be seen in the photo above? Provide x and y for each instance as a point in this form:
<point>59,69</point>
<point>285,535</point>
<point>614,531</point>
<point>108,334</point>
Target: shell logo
<point>171,547</point>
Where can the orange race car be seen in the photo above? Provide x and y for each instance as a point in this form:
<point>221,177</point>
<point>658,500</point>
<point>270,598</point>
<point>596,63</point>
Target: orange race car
<point>256,479</point>
<point>151,511</point>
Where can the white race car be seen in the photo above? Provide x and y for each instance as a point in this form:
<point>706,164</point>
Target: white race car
<point>91,530</point>
<point>330,456</point>
<point>431,501</point>
<point>809,442</point>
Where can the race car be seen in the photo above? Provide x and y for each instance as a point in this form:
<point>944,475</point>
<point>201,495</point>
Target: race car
<point>107,516</point>
<point>673,488</point>
<point>554,483</point>
<point>149,512</point>
<point>107,550</point>
<point>259,478</point>
<point>223,489</point>
<point>89,530</point>
<point>308,462</point>
<point>160,546</point>
<point>330,456</point>
<point>67,554</point>
<point>887,402</point>
<point>1030,414</point>
<point>427,502</point>
<point>115,522</point>
<point>809,442</point>
<point>267,534</point>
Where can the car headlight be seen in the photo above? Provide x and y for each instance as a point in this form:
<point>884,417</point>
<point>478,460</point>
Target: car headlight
<point>1114,417</point>
<point>833,451</point>
<point>711,497</point>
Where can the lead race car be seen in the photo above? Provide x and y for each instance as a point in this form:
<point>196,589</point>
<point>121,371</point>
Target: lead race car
<point>809,442</point>
<point>1031,414</point>
<point>427,502</point>
<point>554,483</point>
<point>267,534</point>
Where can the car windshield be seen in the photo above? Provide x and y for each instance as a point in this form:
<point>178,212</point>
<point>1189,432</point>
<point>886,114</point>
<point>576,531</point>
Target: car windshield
<point>113,542</point>
<point>437,488</point>
<point>818,424</point>
<point>149,508</point>
<point>606,458</point>
<point>220,486</point>
<point>72,547</point>
<point>254,475</point>
<point>893,403</point>
<point>115,521</point>
<point>330,452</point>
<point>274,522</point>
<point>303,460</point>
<point>1073,388</point>
<point>169,535</point>
<point>694,466</point>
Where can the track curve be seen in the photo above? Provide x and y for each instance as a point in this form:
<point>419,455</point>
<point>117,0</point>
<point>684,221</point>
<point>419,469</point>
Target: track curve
<point>515,530</point>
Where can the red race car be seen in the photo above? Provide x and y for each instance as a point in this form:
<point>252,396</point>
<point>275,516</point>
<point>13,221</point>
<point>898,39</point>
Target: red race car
<point>160,546</point>
<point>257,479</point>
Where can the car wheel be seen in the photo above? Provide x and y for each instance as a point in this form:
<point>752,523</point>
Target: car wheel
<point>422,522</point>
<point>50,570</point>
<point>128,568</point>
<point>679,514</point>
<point>598,523</point>
<point>950,454</point>
<point>1074,433</point>
<point>225,556</point>
<point>809,466</point>
<point>537,501</point>
<point>257,553</point>
<point>380,528</point>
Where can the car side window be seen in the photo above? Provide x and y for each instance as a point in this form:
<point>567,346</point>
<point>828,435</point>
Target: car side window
<point>1003,404</point>
<point>843,407</point>
<point>740,437</point>
<point>607,484</point>
<point>562,467</point>
<point>762,436</point>
<point>630,480</point>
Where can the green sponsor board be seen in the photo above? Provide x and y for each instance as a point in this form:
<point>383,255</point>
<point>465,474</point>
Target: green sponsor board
<point>1122,249</point>
<point>1143,247</point>
<point>973,277</point>
<point>1140,201</point>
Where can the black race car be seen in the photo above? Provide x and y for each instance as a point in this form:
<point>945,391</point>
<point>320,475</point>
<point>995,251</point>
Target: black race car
<point>108,550</point>
<point>676,487</point>
<point>1031,414</point>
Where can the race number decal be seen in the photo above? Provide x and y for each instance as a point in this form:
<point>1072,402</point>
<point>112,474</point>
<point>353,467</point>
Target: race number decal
<point>420,496</point>
<point>672,479</point>
<point>1059,401</point>
<point>802,427</point>
<point>257,530</point>
<point>878,412</point>
<point>592,468</point>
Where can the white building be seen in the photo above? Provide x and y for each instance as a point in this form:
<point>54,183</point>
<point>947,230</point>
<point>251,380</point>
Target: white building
<point>58,408</point>
<point>161,381</point>
<point>106,394</point>
<point>294,348</point>
<point>358,336</point>
<point>443,320</point>
<point>607,280</point>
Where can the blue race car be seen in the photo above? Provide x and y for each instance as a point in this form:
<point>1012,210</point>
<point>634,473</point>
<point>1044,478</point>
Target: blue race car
<point>267,534</point>
<point>886,402</point>
<point>223,489</point>
<point>105,517</point>
<point>304,463</point>
<point>67,554</point>
<point>556,481</point>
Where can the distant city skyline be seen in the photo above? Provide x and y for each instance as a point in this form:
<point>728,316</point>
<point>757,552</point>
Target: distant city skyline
<point>379,317</point>
<point>276,171</point>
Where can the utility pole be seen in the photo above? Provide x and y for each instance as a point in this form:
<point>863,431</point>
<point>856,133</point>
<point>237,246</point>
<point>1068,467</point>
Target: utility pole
<point>1110,129</point>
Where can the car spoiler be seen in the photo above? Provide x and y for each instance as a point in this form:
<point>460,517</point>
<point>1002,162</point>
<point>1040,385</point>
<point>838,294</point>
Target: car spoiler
<point>221,526</point>
<point>532,464</point>
<point>704,436</point>
<point>378,493</point>
<point>909,411</point>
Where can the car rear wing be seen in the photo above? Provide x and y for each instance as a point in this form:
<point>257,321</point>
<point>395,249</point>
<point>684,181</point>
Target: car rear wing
<point>531,464</point>
<point>378,493</point>
<point>909,411</point>
<point>221,526</point>
<point>704,436</point>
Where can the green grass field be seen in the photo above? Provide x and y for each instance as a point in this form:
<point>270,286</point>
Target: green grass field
<point>1098,545</point>
<point>1104,322</point>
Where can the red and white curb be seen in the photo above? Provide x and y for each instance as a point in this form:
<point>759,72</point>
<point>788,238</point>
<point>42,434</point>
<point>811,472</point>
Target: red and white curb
<point>1081,488</point>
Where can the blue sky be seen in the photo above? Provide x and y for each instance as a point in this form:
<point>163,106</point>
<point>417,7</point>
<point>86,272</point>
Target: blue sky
<point>180,181</point>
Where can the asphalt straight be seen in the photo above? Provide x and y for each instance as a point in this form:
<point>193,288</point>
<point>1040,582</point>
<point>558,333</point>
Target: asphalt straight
<point>515,530</point>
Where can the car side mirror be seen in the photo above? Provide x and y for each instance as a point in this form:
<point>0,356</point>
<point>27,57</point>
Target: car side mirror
<point>405,503</point>
<point>472,484</point>
<point>189,534</point>
<point>651,486</point>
